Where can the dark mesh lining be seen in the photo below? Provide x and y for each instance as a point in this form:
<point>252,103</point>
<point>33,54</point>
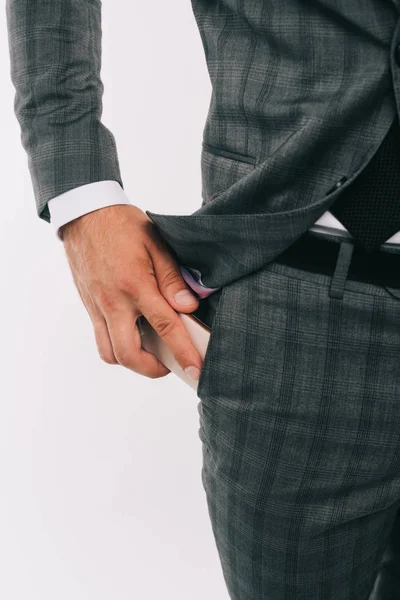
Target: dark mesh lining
<point>370,207</point>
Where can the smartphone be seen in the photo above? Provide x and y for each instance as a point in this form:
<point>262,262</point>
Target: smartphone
<point>198,331</point>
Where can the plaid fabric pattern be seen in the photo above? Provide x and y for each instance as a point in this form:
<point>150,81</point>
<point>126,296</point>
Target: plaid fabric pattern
<point>303,93</point>
<point>300,423</point>
<point>55,59</point>
<point>299,396</point>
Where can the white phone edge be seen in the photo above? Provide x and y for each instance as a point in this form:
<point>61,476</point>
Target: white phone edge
<point>199,334</point>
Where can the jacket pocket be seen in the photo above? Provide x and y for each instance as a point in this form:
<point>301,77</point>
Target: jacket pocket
<point>221,168</point>
<point>236,156</point>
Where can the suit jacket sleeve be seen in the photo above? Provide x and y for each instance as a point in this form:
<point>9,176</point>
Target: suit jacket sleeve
<point>55,60</point>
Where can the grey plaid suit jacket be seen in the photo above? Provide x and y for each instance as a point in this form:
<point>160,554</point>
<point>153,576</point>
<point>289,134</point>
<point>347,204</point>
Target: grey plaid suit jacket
<point>303,93</point>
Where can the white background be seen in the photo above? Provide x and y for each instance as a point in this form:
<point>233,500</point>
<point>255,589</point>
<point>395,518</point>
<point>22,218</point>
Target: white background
<point>101,493</point>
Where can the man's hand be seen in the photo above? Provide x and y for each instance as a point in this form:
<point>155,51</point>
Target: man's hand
<point>123,269</point>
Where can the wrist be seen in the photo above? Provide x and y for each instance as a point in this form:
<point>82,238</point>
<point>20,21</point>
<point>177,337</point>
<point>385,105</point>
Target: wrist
<point>64,230</point>
<point>67,229</point>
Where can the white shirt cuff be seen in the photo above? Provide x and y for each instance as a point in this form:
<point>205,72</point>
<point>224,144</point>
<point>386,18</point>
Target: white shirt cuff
<point>84,199</point>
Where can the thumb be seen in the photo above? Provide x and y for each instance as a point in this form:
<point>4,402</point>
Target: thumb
<point>172,284</point>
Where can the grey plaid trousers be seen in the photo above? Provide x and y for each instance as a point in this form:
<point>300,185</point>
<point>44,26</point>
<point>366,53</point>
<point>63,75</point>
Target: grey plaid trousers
<point>300,428</point>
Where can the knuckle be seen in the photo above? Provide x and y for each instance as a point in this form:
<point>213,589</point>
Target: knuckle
<point>108,358</point>
<point>163,325</point>
<point>124,357</point>
<point>107,301</point>
<point>129,286</point>
<point>170,277</point>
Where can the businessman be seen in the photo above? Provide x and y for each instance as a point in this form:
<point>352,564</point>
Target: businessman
<point>293,259</point>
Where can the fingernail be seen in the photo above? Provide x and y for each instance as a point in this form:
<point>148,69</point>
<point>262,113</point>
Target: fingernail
<point>193,373</point>
<point>184,297</point>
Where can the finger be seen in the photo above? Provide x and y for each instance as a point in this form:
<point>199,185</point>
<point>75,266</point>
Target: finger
<point>170,280</point>
<point>127,343</point>
<point>167,324</point>
<point>103,341</point>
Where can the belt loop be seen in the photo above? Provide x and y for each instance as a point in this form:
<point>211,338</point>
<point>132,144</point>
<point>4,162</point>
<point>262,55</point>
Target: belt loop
<point>339,277</point>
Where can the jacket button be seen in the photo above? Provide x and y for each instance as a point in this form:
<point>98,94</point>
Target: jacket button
<point>397,54</point>
<point>337,185</point>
